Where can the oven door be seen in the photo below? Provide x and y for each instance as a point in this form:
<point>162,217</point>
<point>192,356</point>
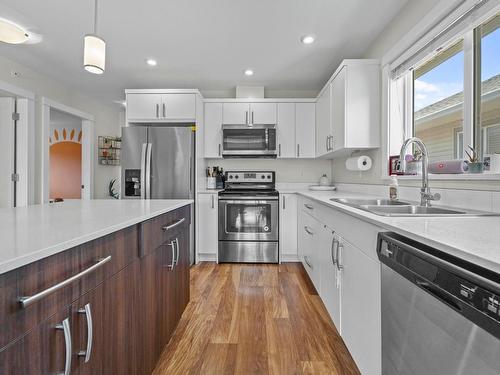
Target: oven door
<point>248,220</point>
<point>249,141</point>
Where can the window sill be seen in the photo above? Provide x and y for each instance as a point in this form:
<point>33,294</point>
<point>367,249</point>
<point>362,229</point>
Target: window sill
<point>486,176</point>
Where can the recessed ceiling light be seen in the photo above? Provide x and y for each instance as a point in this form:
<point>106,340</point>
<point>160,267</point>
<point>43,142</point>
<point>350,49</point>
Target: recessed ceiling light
<point>151,62</point>
<point>249,72</point>
<point>12,33</point>
<point>307,39</point>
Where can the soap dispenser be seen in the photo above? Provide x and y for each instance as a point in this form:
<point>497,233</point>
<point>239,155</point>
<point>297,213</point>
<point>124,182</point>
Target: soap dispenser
<point>393,188</point>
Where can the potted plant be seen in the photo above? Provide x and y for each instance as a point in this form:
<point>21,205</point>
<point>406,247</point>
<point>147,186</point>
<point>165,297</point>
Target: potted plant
<point>475,166</point>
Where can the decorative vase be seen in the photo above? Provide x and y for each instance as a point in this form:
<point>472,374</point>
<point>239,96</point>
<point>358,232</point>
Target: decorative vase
<point>477,167</point>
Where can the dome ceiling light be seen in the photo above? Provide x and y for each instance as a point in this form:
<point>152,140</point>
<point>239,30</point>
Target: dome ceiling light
<point>11,33</point>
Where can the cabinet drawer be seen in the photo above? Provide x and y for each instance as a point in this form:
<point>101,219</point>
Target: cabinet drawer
<point>15,320</point>
<point>158,230</point>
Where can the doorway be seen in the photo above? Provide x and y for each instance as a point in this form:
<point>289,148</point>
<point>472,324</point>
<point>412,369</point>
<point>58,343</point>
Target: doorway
<point>67,152</point>
<point>65,156</point>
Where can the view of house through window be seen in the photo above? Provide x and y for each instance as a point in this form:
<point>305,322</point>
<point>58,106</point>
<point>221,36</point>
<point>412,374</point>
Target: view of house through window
<point>438,98</point>
<point>489,116</point>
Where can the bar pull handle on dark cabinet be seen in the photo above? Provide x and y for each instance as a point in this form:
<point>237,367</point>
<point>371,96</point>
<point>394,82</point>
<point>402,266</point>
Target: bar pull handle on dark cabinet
<point>64,326</point>
<point>26,301</point>
<point>172,245</point>
<point>88,314</point>
<point>177,251</point>
<point>172,226</point>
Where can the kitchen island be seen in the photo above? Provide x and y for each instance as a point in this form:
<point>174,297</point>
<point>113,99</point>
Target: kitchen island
<point>93,287</point>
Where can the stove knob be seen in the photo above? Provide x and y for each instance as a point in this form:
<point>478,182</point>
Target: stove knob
<point>263,176</point>
<point>268,176</point>
<point>236,176</point>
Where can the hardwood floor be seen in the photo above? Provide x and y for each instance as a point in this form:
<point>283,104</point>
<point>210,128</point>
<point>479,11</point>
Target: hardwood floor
<point>254,319</point>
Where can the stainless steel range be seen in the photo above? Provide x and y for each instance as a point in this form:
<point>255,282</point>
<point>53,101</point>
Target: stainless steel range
<point>248,218</point>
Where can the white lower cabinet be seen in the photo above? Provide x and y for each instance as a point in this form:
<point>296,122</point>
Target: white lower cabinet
<point>346,278</point>
<point>288,227</point>
<point>207,226</point>
<point>330,276</point>
<point>361,307</point>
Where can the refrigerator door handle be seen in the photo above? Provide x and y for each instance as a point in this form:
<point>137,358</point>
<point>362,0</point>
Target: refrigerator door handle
<point>148,170</point>
<point>143,170</point>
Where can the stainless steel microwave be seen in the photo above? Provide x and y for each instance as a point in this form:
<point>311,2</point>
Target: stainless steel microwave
<point>249,141</point>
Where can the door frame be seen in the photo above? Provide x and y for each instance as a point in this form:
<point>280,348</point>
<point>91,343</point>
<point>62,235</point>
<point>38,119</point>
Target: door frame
<point>25,145</point>
<point>87,147</point>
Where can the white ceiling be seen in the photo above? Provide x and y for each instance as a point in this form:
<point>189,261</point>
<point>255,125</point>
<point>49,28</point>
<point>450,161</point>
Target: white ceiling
<point>203,44</point>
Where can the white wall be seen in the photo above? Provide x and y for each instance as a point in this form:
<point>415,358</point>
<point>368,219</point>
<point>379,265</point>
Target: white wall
<point>106,116</point>
<point>287,170</point>
<point>409,16</point>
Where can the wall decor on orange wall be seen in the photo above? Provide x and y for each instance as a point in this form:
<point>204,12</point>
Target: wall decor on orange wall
<point>65,155</point>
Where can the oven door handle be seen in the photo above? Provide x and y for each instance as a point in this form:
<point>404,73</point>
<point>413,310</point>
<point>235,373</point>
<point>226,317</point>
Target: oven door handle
<point>248,201</point>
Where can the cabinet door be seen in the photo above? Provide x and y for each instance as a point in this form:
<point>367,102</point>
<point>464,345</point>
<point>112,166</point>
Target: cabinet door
<point>330,277</point>
<point>236,113</point>
<point>285,130</point>
<point>323,122</point>
<point>41,351</point>
<point>360,308</point>
<point>338,109</point>
<point>213,130</point>
<point>263,113</point>
<point>288,226</point>
<point>309,231</point>
<point>178,106</point>
<point>181,273</point>
<point>305,126</point>
<point>143,107</point>
<point>208,240</point>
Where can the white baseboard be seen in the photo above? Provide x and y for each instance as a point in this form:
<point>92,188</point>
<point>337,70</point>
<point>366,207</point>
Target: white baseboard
<point>206,258</point>
<point>285,258</point>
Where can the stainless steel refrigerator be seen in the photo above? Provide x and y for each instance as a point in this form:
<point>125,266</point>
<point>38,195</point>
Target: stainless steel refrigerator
<point>158,163</point>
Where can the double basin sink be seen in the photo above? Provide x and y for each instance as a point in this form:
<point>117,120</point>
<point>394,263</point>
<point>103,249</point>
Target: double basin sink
<point>389,207</point>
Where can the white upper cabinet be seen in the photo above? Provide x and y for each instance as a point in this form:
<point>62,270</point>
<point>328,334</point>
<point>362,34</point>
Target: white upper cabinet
<point>348,110</point>
<point>236,113</point>
<point>323,130</point>
<point>305,130</point>
<point>213,130</point>
<point>285,130</point>
<point>262,113</point>
<point>143,106</point>
<point>161,107</point>
<point>249,113</point>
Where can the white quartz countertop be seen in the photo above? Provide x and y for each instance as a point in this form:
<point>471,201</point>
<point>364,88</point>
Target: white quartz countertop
<point>475,239</point>
<point>31,233</point>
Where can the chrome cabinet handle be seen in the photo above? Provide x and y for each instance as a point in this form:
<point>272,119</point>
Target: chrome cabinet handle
<point>246,117</point>
<point>307,261</point>
<point>88,313</point>
<point>177,251</point>
<point>252,117</point>
<point>29,300</point>
<point>309,206</point>
<point>332,249</point>
<point>284,202</point>
<point>279,149</point>
<point>164,110</point>
<point>64,326</point>
<point>213,201</point>
<point>308,230</point>
<point>219,149</point>
<point>157,110</point>
<point>172,245</point>
<point>340,247</point>
<point>326,143</point>
<point>331,142</point>
<point>172,226</point>
<point>298,151</point>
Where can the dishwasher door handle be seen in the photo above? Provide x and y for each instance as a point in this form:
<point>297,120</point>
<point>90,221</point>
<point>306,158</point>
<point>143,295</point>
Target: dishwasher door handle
<point>439,294</point>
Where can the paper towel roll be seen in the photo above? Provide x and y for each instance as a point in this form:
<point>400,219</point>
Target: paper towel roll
<point>358,163</point>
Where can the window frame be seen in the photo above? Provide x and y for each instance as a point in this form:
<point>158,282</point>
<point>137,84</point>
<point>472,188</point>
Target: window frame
<point>471,103</point>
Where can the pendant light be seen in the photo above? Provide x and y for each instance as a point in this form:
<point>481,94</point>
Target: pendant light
<point>94,53</point>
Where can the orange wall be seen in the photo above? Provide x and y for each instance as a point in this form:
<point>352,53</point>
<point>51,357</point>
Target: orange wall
<point>65,170</point>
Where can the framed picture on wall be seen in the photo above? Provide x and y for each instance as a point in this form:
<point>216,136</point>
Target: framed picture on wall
<point>394,165</point>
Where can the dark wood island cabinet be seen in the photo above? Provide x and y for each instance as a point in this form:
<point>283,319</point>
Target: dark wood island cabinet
<point>108,306</point>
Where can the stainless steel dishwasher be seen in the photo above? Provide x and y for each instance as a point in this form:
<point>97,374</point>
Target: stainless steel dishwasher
<point>440,314</point>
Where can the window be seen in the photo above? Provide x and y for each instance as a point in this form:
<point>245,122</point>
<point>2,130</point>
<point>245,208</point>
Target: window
<point>488,51</point>
<point>446,90</point>
<point>438,100</point>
